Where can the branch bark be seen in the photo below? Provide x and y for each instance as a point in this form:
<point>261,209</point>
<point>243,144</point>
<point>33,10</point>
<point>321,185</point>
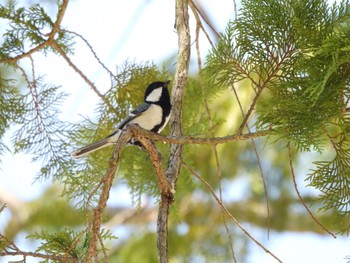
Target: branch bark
<point>156,159</point>
<point>138,131</point>
<point>107,181</point>
<point>174,163</point>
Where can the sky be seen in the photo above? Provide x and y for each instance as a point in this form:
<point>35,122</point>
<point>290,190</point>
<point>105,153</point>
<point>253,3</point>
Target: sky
<point>140,30</point>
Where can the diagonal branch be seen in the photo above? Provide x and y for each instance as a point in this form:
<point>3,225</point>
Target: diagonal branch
<point>156,159</point>
<point>197,8</point>
<point>217,161</point>
<point>199,25</point>
<point>211,190</point>
<point>107,184</point>
<point>91,50</point>
<point>259,162</point>
<point>83,76</point>
<point>299,195</point>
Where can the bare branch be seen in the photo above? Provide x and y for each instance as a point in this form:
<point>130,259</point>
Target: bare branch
<point>259,163</point>
<point>217,161</point>
<point>83,76</point>
<point>299,195</point>
<point>195,140</point>
<point>205,17</point>
<point>106,186</point>
<point>156,158</point>
<point>228,212</point>
<point>250,110</point>
<point>91,50</point>
<point>199,25</point>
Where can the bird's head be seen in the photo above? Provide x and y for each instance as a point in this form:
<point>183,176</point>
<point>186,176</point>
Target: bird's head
<point>157,92</point>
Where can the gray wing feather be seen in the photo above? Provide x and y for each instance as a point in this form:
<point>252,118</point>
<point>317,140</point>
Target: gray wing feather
<point>112,138</point>
<point>136,112</point>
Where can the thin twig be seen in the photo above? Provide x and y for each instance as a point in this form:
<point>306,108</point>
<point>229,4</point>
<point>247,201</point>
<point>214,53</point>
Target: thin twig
<point>205,18</point>
<point>259,163</point>
<point>91,50</point>
<point>103,250</point>
<point>262,84</point>
<point>217,161</point>
<point>299,195</point>
<point>91,195</point>
<point>207,185</point>
<point>249,112</point>
<point>74,244</point>
<point>199,24</point>
<point>83,76</point>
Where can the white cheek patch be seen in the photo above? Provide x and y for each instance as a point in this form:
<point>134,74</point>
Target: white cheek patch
<point>150,118</point>
<point>154,96</point>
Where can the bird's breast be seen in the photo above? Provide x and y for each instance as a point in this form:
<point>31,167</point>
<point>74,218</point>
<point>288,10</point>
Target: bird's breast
<point>150,118</point>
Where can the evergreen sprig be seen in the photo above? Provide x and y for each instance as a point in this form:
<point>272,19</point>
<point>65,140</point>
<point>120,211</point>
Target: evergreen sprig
<point>283,47</point>
<point>41,133</point>
<point>11,107</point>
<point>332,179</point>
<point>66,243</point>
<point>28,28</point>
<point>297,52</point>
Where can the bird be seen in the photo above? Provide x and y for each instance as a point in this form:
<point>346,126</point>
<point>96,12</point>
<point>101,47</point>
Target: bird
<point>153,115</point>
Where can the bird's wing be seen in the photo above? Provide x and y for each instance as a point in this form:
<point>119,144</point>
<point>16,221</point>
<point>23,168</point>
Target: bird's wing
<point>136,112</point>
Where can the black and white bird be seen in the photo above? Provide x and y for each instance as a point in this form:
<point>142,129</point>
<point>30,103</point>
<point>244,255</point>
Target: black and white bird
<point>151,115</point>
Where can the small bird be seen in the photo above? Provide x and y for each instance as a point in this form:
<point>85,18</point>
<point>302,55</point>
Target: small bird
<point>151,115</point>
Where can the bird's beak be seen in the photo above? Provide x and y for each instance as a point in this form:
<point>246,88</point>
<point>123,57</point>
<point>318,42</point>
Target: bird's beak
<point>166,83</point>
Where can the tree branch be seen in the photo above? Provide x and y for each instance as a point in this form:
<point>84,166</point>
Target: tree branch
<point>106,186</point>
<point>7,245</point>
<point>195,140</point>
<point>83,76</point>
<point>299,195</point>
<point>46,43</point>
<point>174,163</point>
<point>164,186</point>
<point>51,42</point>
<point>228,212</point>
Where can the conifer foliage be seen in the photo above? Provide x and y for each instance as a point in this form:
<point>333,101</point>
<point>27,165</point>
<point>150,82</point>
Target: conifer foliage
<point>296,54</point>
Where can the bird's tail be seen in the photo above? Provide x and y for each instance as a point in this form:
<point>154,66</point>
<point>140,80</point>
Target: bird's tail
<point>91,148</point>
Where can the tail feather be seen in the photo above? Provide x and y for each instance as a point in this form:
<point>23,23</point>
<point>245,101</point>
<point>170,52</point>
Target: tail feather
<point>91,148</point>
